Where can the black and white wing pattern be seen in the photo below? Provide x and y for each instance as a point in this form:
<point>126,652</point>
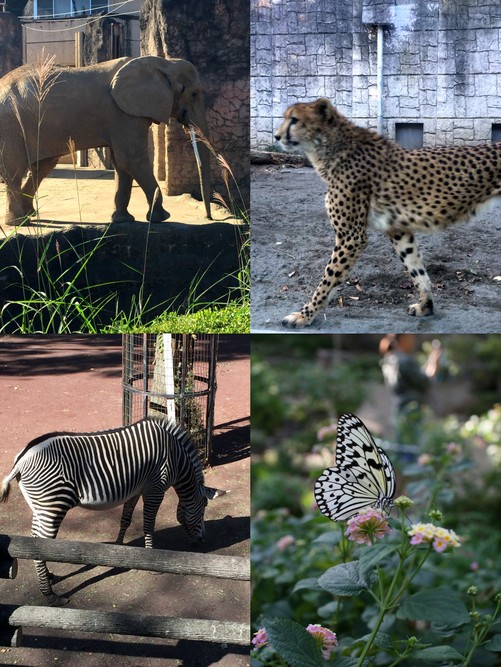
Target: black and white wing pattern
<point>362,477</point>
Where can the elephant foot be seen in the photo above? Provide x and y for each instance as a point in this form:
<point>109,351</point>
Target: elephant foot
<point>157,215</point>
<point>11,221</point>
<point>119,216</point>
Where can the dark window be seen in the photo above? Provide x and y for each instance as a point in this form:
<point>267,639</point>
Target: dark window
<point>409,135</point>
<point>496,132</point>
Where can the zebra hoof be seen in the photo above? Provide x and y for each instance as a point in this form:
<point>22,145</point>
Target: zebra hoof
<point>56,600</point>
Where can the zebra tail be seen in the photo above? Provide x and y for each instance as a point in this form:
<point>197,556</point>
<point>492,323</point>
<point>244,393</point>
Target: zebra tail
<point>4,490</point>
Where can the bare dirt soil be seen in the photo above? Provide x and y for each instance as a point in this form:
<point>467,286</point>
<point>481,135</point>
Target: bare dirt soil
<point>74,383</point>
<point>292,241</point>
<point>85,196</point>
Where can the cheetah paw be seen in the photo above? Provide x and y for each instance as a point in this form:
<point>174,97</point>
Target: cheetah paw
<point>421,310</point>
<point>295,321</point>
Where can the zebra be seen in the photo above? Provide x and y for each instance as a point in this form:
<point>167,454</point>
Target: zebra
<point>104,469</point>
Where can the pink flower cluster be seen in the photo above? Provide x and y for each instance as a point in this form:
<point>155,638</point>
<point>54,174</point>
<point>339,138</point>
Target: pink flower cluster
<point>260,638</point>
<point>325,638</point>
<point>327,432</point>
<point>368,526</point>
<point>440,538</point>
<point>285,542</point>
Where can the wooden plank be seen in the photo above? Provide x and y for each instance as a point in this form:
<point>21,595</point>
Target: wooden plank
<point>131,558</point>
<point>85,620</point>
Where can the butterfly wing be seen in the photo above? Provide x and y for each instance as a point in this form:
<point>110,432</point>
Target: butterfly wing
<point>363,475</point>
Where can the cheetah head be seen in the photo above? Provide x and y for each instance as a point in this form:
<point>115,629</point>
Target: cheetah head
<point>305,125</point>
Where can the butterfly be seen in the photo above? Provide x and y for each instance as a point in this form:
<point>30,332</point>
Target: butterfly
<point>362,477</point>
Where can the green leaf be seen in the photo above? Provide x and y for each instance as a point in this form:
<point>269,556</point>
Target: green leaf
<point>345,662</point>
<point>382,640</point>
<point>374,555</point>
<point>494,644</point>
<point>445,630</point>
<point>329,609</point>
<point>344,579</point>
<point>331,537</point>
<point>293,643</point>
<point>438,654</point>
<point>434,605</point>
<point>311,584</point>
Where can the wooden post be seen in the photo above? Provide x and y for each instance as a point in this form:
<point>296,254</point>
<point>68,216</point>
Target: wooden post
<point>85,620</point>
<point>132,558</point>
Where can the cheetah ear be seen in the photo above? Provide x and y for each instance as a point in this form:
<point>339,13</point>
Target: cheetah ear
<point>324,109</point>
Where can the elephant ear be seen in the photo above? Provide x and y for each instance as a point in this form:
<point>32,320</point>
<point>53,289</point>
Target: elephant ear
<point>142,87</point>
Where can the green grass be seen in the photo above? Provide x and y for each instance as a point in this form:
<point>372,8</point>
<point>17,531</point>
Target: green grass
<point>230,319</point>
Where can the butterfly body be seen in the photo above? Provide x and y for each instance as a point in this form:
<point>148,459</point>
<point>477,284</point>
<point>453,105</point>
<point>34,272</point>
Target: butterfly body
<point>362,477</point>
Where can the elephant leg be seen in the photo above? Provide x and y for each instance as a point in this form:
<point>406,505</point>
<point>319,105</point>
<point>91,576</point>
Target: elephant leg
<point>38,171</point>
<point>137,166</point>
<point>14,213</point>
<point>123,187</point>
<point>150,187</point>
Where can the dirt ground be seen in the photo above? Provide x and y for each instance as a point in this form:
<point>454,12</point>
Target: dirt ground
<point>85,196</point>
<point>292,241</point>
<point>74,383</point>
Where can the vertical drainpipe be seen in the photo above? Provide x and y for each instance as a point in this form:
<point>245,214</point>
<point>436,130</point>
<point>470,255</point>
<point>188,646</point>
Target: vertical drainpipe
<point>379,79</point>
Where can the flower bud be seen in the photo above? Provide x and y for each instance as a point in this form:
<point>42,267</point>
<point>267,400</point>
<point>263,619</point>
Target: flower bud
<point>436,515</point>
<point>403,502</point>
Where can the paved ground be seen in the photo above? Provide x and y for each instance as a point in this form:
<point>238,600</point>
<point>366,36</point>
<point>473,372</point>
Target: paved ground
<point>292,241</point>
<point>74,382</point>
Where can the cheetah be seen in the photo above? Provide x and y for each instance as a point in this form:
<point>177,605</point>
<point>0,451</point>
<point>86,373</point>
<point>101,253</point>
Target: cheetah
<point>373,181</point>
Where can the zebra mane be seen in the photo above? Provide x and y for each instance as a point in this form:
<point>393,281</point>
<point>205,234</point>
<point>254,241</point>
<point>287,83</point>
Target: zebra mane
<point>186,442</point>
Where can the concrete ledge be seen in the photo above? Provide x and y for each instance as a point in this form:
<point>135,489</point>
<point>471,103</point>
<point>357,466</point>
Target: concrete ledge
<point>161,259</point>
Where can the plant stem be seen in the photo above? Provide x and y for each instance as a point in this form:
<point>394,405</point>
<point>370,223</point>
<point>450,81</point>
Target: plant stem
<point>385,606</point>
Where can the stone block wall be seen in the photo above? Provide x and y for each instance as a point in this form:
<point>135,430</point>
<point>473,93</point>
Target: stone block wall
<point>214,36</point>
<point>441,64</point>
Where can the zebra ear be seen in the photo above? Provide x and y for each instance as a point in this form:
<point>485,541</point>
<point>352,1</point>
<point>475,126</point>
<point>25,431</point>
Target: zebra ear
<point>211,493</point>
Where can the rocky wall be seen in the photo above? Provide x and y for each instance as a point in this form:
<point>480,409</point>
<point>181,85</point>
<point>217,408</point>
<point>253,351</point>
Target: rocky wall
<point>214,36</point>
<point>441,64</point>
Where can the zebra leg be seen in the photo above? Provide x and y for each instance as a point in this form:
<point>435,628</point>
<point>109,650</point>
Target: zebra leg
<point>152,503</point>
<point>126,519</point>
<point>49,531</point>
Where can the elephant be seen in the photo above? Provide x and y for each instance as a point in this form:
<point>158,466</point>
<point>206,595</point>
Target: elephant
<point>113,104</point>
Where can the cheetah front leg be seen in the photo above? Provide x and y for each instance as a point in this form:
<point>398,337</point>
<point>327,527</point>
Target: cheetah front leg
<point>345,254</point>
<point>406,247</point>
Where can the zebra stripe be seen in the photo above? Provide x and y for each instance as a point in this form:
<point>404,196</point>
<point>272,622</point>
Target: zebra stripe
<point>59,471</point>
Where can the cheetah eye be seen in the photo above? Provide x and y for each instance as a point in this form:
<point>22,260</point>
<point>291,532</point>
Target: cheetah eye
<point>293,120</point>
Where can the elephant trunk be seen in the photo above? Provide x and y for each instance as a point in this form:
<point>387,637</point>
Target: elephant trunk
<point>202,155</point>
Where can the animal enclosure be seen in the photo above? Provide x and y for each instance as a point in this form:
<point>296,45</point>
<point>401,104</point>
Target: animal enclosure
<point>173,376</point>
